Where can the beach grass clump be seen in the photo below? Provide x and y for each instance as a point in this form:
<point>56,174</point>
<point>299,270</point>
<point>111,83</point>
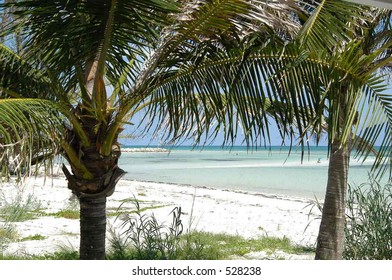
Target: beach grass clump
<point>214,246</point>
<point>148,238</point>
<point>67,214</point>
<point>368,228</point>
<point>19,209</point>
<point>145,238</point>
<point>8,234</point>
<point>63,254</point>
<point>35,237</point>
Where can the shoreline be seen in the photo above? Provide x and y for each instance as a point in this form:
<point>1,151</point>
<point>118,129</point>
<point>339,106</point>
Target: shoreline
<point>246,192</point>
<point>248,214</point>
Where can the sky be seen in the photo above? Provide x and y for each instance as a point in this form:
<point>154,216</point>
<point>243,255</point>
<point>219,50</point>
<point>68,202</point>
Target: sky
<point>149,139</point>
<point>154,140</point>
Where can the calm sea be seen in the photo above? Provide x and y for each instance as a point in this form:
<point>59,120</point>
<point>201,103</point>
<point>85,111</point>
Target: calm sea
<point>270,171</point>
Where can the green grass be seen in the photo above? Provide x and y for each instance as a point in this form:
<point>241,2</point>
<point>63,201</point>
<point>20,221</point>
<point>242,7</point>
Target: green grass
<point>19,209</point>
<point>209,246</point>
<point>8,233</point>
<point>223,246</point>
<point>368,228</point>
<point>196,245</point>
<point>33,237</point>
<point>60,255</point>
<point>67,214</point>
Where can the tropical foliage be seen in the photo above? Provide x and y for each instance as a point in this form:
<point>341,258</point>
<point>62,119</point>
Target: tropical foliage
<point>28,127</point>
<point>354,107</point>
<point>199,68</point>
<point>73,49</point>
<point>369,222</point>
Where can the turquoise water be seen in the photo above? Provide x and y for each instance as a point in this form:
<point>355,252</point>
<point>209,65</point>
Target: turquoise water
<point>269,171</point>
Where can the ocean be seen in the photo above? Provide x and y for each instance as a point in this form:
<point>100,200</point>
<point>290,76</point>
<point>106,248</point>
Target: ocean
<point>271,171</point>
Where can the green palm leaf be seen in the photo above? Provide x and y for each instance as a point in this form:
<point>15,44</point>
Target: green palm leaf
<point>30,130</point>
<point>19,78</point>
<point>53,30</point>
<point>198,30</point>
<point>231,91</point>
<point>330,23</point>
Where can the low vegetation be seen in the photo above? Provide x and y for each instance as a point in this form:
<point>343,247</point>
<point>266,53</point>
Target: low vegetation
<point>18,208</point>
<point>33,237</point>
<point>8,233</point>
<point>196,245</point>
<point>143,237</point>
<point>66,213</point>
<point>369,222</point>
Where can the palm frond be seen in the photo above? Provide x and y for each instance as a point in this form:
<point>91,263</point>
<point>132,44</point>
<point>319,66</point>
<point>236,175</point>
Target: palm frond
<point>30,130</point>
<point>199,29</point>
<point>331,22</point>
<point>19,78</point>
<point>53,31</point>
<point>229,91</point>
<point>356,104</point>
<point>232,93</point>
<point>376,128</point>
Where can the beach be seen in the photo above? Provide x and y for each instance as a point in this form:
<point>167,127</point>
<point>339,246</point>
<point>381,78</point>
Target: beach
<point>248,214</point>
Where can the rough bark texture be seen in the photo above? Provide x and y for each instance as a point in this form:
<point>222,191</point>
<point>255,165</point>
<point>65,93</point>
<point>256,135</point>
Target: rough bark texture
<point>92,228</point>
<point>93,210</point>
<point>330,241</point>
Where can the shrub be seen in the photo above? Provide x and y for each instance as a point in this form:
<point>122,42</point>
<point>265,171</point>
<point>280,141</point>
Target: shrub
<point>19,209</point>
<point>8,234</point>
<point>369,222</point>
<point>145,238</point>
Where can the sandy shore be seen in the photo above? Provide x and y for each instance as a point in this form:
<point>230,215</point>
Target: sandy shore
<point>219,211</point>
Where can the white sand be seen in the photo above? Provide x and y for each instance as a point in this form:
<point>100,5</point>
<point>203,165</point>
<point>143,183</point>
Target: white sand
<point>219,211</point>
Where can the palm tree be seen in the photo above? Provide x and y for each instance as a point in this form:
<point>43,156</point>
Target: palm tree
<point>366,49</point>
<point>149,52</point>
<point>196,70</point>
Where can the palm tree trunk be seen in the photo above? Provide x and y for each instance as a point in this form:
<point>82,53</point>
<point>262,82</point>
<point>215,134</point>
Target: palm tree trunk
<point>330,240</point>
<point>93,208</point>
<point>92,228</point>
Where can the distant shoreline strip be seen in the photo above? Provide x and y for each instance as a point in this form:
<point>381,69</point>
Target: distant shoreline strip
<point>145,150</point>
